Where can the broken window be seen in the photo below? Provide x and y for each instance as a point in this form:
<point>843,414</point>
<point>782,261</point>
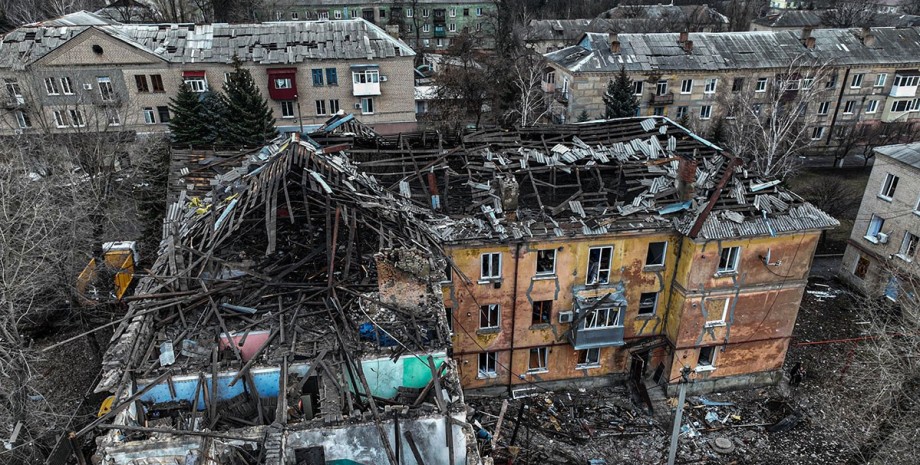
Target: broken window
<point>728,259</point>
<point>23,120</point>
<point>157,82</point>
<point>599,265</point>
<point>140,81</point>
<point>487,365</point>
<point>491,266</point>
<point>874,233</point>
<point>717,311</point>
<point>59,119</point>
<point>602,318</point>
<point>537,360</point>
<point>489,316</point>
<point>648,303</point>
<point>908,246</point>
<point>106,91</point>
<point>707,357</point>
<point>546,262</point>
<point>149,116</point>
<point>589,358</point>
<point>449,312</point>
<point>889,186</point>
<point>541,312</point>
<point>655,255</point>
<point>738,85</point>
<point>317,77</point>
<point>111,116</point>
<point>197,84</point>
<point>51,86</point>
<point>76,118</point>
<point>637,87</point>
<point>862,267</point>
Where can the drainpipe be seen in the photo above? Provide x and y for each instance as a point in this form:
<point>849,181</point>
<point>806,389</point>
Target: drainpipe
<point>517,259</point>
<point>843,84</point>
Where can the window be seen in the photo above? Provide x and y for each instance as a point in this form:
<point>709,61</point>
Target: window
<point>648,303</point>
<point>332,77</point>
<point>589,358</point>
<point>537,362</point>
<point>706,112</point>
<point>383,13</point>
<point>875,228</point>
<point>706,358</point>
<point>66,86</point>
<point>906,81</point>
<point>112,118</point>
<point>717,311</point>
<point>871,106</point>
<point>149,116</point>
<point>13,91</point>
<point>489,316</point>
<point>425,12</point>
<point>728,259</point>
<point>487,365</point>
<point>655,255</point>
<point>140,81</point>
<point>105,88</point>
<point>333,106</point>
<point>59,119</point>
<point>466,12</point>
<point>681,112</point>
<point>686,86</point>
<point>295,16</point>
<point>23,119</point>
<point>320,107</point>
<point>908,246</point>
<point>599,259</point>
<point>491,265</point>
<point>637,87</point>
<point>856,82</point>
<point>711,84</point>
<point>831,81</point>
<point>889,186</point>
<point>546,262</point>
<point>163,113</point>
<point>823,108</point>
<point>603,318</point>
<point>51,86</point>
<point>658,111</point>
<point>661,88</point>
<point>76,118</point>
<point>761,85</point>
<point>408,12</point>
<point>807,83</point>
<point>862,267</point>
<point>366,77</point>
<point>478,11</point>
<point>197,84</point>
<point>849,106</point>
<point>738,85</point>
<point>542,309</point>
<point>817,132</point>
<point>452,27</point>
<point>880,79</point>
<point>452,12</point>
<point>287,108</point>
<point>367,105</point>
<point>337,14</point>
<point>901,105</point>
<point>479,26</point>
<point>449,312</point>
<point>426,28</point>
<point>156,82</point>
<point>283,83</point>
<point>757,107</point>
<point>317,77</point>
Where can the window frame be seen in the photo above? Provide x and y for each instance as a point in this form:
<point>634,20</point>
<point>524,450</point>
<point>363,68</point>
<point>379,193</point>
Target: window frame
<point>541,312</point>
<point>871,107</point>
<point>320,105</point>
<point>490,360</point>
<point>318,78</point>
<point>197,84</point>
<point>721,321</point>
<point>654,310</point>
<point>824,107</point>
<point>106,89</point>
<point>661,87</point>
<point>582,363</point>
<point>881,79</point>
<point>734,255</point>
<point>738,84</point>
<point>710,86</point>
<point>367,106</point>
<point>290,104</point>
<point>856,80</point>
<point>77,118</point>
<point>874,220</point>
<point>664,254</point>
<point>334,106</point>
<point>849,107</point>
<point>552,272</point>
<point>638,87</point>
<point>889,187</point>
<point>910,245</point>
<point>707,114</point>
<point>761,85</point>
<point>332,76</point>
<point>489,309</point>
<point>482,262</point>
<point>710,360</point>
<point>149,111</point>
<point>820,133</point>
<point>23,120</point>
<point>600,269</point>
<point>544,359</point>
<point>60,118</point>
<point>594,320</point>
<point>686,86</point>
<point>156,83</point>
<point>51,86</point>
<point>140,82</point>
<point>67,85</point>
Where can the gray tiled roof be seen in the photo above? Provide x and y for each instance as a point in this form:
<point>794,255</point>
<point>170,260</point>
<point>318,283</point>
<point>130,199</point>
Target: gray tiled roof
<point>904,153</point>
<point>739,50</point>
<point>266,43</point>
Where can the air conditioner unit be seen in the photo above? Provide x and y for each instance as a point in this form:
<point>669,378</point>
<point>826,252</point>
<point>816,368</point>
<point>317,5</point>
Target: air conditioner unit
<point>87,87</point>
<point>357,106</point>
<point>882,238</point>
<point>565,317</point>
<point>383,78</point>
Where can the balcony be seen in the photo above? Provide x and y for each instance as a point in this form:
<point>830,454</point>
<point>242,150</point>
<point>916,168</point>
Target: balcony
<point>599,322</point>
<point>663,99</point>
<point>440,31</point>
<point>14,102</point>
<point>548,87</point>
<point>561,95</point>
<point>903,91</point>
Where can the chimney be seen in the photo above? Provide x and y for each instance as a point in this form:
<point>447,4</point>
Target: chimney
<point>868,38</point>
<point>688,46</point>
<point>614,42</point>
<point>682,37</point>
<point>509,191</point>
<point>686,178</point>
<point>806,32</point>
<point>809,42</point>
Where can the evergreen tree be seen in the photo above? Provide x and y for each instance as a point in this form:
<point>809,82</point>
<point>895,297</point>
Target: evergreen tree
<point>249,119</point>
<point>619,100</point>
<point>213,117</point>
<point>186,124</point>
<point>583,116</point>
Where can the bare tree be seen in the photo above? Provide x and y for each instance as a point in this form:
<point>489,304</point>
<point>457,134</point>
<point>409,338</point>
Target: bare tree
<point>526,77</point>
<point>770,128</point>
<point>848,13</point>
<point>461,86</point>
<point>910,7</point>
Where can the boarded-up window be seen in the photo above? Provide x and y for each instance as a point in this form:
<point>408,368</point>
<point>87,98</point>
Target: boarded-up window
<point>862,267</point>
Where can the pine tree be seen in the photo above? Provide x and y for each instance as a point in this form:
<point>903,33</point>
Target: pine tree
<point>186,124</point>
<point>213,117</point>
<point>619,100</point>
<point>249,119</point>
<point>583,116</point>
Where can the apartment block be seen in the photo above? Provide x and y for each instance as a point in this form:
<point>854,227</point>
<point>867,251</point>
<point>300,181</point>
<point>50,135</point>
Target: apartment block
<point>424,24</point>
<point>66,77</point>
<point>882,248</point>
<point>867,76</point>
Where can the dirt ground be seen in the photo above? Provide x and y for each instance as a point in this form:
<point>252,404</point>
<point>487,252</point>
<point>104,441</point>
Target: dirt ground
<point>577,426</point>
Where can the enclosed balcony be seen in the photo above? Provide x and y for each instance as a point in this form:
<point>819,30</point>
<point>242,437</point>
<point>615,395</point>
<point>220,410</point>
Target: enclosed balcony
<point>663,99</point>
<point>440,30</point>
<point>366,80</point>
<point>598,322</point>
<point>905,85</point>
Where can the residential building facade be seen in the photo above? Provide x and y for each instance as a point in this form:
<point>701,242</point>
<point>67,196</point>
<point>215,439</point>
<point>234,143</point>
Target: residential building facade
<point>424,24</point>
<point>868,76</point>
<point>883,245</point>
<point>122,77</point>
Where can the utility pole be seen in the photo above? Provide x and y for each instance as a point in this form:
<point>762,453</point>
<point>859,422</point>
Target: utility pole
<point>681,397</point>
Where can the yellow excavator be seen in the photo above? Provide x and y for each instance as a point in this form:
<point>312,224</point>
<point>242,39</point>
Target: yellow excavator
<point>110,280</point>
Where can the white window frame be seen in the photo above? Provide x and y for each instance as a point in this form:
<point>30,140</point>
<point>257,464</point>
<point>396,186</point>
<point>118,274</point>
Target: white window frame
<point>906,81</point>
<point>452,27</point>
<point>654,305</point>
<point>721,321</point>
<point>552,272</point>
<point>711,365</point>
<point>60,119</point>
<point>489,308</point>
<point>889,187</point>
<point>881,79</point>
<point>601,268</point>
<point>23,120</point>
<point>705,112</point>
<point>283,83</point>
<point>150,116</point>
<point>711,85</point>
<point>368,106</point>
<point>544,359</point>
<point>426,12</point>
<point>686,86</point>
<point>368,76</point>
<point>488,269</point>
<point>112,117</point>
<point>337,14</point>
<point>106,89</point>
<point>638,87</point>
<point>287,109</point>
<point>661,87</point>
<point>876,223</point>
<point>590,362</point>
<point>200,84</point>
<point>51,86</point>
<point>761,85</point>
<point>479,11</point>
<point>817,133</point>
<point>409,12</point>
<point>871,107</point>
<point>732,257</point>
<point>452,12</point>
<point>66,85</point>
<point>681,112</point>
<point>490,360</point>
<point>904,252</point>
<point>77,118</point>
<point>604,317</point>
<point>426,28</point>
<point>849,107</point>
<point>334,106</point>
<point>807,83</point>
<point>856,80</point>
<point>664,254</point>
<point>824,108</point>
<point>320,107</point>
